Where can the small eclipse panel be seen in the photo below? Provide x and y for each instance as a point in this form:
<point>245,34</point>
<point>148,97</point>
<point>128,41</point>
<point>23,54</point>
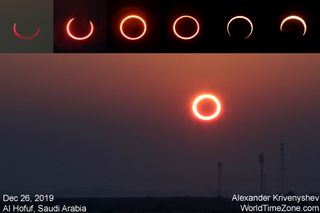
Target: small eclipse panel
<point>175,26</point>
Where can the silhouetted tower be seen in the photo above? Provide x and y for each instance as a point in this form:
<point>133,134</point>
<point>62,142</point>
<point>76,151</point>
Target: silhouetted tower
<point>220,165</point>
<point>282,168</point>
<point>262,175</point>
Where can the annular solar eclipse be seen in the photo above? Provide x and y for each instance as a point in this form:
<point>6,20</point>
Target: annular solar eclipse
<point>233,21</point>
<point>75,37</point>
<point>296,19</point>
<point>126,21</point>
<point>184,17</point>
<point>216,105</point>
<point>23,37</point>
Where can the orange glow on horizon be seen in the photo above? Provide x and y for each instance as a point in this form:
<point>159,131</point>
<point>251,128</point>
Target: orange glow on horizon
<point>214,100</point>
<point>18,35</point>
<point>133,17</point>
<point>184,37</point>
<point>68,30</point>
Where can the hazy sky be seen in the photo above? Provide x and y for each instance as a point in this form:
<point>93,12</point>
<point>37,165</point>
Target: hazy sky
<point>122,124</point>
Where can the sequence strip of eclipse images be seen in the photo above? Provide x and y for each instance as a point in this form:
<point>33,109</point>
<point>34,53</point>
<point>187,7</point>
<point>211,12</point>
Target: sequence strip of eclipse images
<point>134,27</point>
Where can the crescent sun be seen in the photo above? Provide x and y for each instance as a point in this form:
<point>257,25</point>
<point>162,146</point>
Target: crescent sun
<point>18,35</point>
<point>243,18</point>
<point>68,30</point>
<point>294,18</point>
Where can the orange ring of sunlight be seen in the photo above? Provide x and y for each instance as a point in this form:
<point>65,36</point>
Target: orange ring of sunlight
<point>201,98</point>
<point>133,17</point>
<point>183,37</point>
<point>15,31</point>
<point>244,18</point>
<point>297,18</point>
<point>76,37</point>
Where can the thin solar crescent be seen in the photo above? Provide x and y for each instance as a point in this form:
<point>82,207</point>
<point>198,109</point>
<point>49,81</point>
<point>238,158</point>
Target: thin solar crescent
<point>243,18</point>
<point>22,37</point>
<point>71,35</point>
<point>294,18</point>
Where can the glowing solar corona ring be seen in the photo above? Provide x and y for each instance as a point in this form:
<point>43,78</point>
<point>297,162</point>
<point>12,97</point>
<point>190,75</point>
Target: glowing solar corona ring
<point>18,35</point>
<point>76,37</point>
<point>133,17</point>
<point>244,18</point>
<point>294,18</point>
<point>211,98</point>
<point>184,37</point>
